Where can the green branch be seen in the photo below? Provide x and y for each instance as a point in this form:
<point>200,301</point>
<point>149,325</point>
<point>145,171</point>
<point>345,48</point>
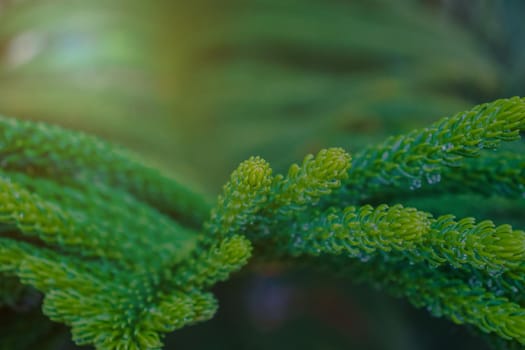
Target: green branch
<point>112,244</point>
<point>421,156</point>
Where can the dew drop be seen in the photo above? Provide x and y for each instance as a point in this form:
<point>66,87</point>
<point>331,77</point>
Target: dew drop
<point>433,179</point>
<point>447,146</point>
<point>494,272</point>
<point>415,184</point>
<point>364,258</point>
<point>499,292</point>
<point>435,310</point>
<point>474,282</point>
<point>298,242</point>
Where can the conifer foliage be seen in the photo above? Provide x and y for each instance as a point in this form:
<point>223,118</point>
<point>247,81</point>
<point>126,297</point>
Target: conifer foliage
<point>123,254</point>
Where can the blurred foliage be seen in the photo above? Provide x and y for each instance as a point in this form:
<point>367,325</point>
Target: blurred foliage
<point>196,87</point>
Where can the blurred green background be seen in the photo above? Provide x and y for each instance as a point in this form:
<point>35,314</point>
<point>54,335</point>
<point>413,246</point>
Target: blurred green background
<point>195,87</point>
